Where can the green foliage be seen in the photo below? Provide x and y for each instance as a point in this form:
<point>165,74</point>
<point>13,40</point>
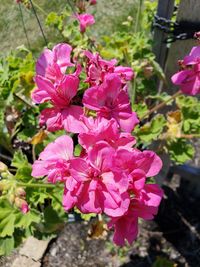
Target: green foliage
<point>151,130</point>
<point>163,262</point>
<point>190,108</point>
<point>6,245</point>
<point>180,151</point>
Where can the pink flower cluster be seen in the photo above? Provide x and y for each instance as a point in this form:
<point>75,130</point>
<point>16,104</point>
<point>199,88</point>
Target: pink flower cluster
<point>188,78</point>
<point>85,20</point>
<point>110,175</point>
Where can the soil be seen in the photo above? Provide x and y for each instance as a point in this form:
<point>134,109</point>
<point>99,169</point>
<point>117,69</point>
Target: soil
<point>174,235</point>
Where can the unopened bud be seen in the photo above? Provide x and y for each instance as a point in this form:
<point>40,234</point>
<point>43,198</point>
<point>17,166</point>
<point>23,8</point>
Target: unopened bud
<point>197,36</point>
<point>20,192</point>
<point>22,205</point>
<point>11,198</point>
<point>4,175</point>
<point>3,167</point>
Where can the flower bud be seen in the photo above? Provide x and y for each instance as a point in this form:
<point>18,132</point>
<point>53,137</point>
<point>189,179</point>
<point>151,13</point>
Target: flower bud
<point>22,205</point>
<point>4,174</point>
<point>93,2</point>
<point>11,198</point>
<point>3,167</point>
<point>20,192</point>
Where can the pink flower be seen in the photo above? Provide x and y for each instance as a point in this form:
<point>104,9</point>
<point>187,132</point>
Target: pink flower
<point>24,208</point>
<point>130,161</point>
<point>101,129</point>
<point>64,114</point>
<point>126,73</point>
<point>126,227</point>
<point>144,205</point>
<point>100,188</point>
<point>93,2</point>
<point>189,78</point>
<point>97,69</point>
<point>85,20</point>
<point>54,160</point>
<point>110,101</point>
<point>53,64</point>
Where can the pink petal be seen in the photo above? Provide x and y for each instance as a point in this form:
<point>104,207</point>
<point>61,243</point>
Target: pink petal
<point>43,62</point>
<point>61,53</point>
<point>61,148</point>
<point>52,118</point>
<point>71,119</point>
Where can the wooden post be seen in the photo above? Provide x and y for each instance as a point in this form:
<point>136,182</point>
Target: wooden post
<point>188,10</point>
<point>165,10</point>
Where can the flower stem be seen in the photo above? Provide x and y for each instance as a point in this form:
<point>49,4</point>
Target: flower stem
<point>38,185</point>
<point>38,7</point>
<point>159,106</point>
<point>139,11</point>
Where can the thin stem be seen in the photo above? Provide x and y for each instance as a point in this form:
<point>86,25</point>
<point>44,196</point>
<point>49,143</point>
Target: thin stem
<point>189,136</point>
<point>100,217</point>
<point>72,7</point>
<point>161,105</point>
<point>33,152</point>
<point>35,13</point>
<point>137,23</point>
<point>133,91</point>
<point>24,27</point>
<point>39,185</point>
<point>5,157</point>
<point>38,7</point>
<point>23,100</point>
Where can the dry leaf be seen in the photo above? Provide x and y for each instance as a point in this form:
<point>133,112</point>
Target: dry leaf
<point>38,137</point>
<point>98,230</point>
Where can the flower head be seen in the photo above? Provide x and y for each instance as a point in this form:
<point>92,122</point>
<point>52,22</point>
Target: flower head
<point>189,77</point>
<point>109,100</point>
<point>85,20</point>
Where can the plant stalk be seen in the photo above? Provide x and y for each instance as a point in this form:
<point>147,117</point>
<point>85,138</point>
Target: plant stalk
<point>161,105</point>
<point>38,185</point>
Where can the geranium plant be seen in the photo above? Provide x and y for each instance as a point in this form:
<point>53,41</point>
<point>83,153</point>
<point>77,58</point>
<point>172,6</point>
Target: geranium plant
<point>76,126</point>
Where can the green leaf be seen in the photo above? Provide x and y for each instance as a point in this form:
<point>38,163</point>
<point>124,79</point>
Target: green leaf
<point>163,262</point>
<point>77,150</point>
<point>19,159</point>
<point>24,168</point>
<point>6,245</point>
<point>53,222</point>
<point>141,109</point>
<point>25,220</point>
<point>180,151</point>
<point>7,219</point>
<point>86,217</point>
<point>151,130</point>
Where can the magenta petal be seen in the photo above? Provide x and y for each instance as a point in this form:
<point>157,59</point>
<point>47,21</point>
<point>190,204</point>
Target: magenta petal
<point>151,163</point>
<point>71,119</point>
<point>62,54</point>
<point>179,77</point>
<point>127,120</point>
<point>61,148</point>
<point>79,169</point>
<point>43,62</point>
<point>52,118</point>
<point>68,87</point>
<point>39,169</point>
<point>40,96</point>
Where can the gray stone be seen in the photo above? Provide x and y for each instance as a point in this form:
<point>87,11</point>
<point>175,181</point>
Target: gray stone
<point>34,248</point>
<point>22,261</point>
